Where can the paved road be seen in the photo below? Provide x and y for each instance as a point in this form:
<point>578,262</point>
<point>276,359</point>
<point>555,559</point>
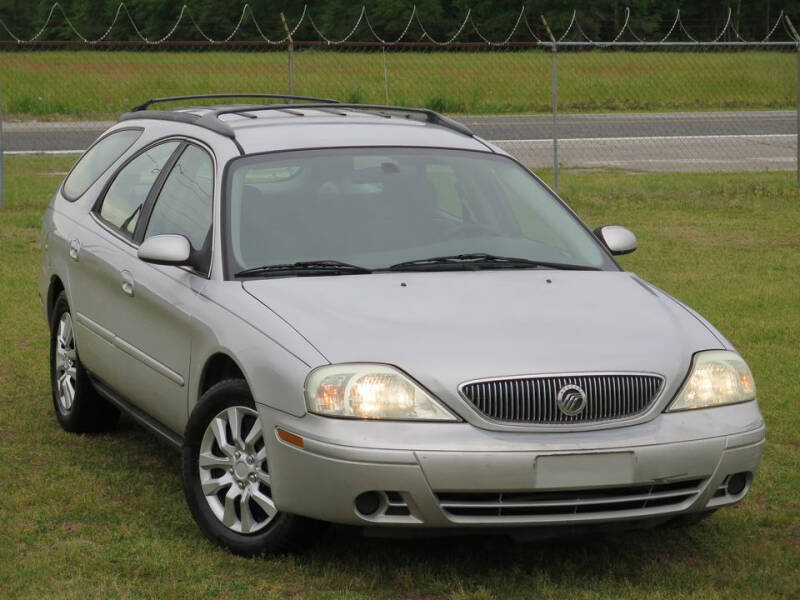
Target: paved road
<point>723,141</point>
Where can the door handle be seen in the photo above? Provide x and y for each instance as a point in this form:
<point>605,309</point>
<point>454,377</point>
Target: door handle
<point>74,249</point>
<point>127,283</point>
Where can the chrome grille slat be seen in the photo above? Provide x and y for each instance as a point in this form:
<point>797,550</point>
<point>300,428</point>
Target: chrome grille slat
<point>533,400</point>
<point>500,503</point>
<point>539,503</point>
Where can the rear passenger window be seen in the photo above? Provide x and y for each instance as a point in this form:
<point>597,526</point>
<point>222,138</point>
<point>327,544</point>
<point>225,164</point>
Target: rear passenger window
<point>184,203</point>
<point>125,198</point>
<point>97,159</point>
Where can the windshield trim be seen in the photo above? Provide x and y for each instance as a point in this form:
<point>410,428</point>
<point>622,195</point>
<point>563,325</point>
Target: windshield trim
<point>609,262</point>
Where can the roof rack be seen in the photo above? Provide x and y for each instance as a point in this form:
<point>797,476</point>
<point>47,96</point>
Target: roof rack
<point>145,105</point>
<point>429,116</point>
<point>211,121</point>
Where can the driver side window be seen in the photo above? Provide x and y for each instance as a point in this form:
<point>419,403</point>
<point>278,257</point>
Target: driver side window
<point>184,204</point>
<point>125,198</point>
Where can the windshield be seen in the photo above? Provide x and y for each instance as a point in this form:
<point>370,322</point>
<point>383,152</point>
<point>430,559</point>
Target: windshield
<point>379,207</point>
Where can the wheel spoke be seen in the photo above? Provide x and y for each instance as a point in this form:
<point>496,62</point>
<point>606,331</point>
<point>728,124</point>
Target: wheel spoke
<point>264,502</point>
<point>244,508</point>
<point>65,330</point>
<point>60,338</point>
<point>235,422</point>
<point>229,517</point>
<point>69,393</point>
<point>218,429</point>
<point>253,436</point>
<point>62,392</point>
<point>213,486</point>
<point>207,460</point>
<point>264,477</point>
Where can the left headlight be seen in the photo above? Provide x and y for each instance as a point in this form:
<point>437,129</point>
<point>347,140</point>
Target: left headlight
<point>370,391</point>
<point>717,377</point>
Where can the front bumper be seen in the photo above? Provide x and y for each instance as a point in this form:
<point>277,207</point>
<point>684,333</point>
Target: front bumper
<point>446,475</point>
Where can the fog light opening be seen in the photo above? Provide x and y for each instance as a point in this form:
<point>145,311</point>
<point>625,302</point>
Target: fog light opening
<point>737,483</point>
<point>368,503</point>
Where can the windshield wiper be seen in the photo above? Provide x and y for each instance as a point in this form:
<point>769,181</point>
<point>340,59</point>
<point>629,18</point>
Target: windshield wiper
<point>309,267</point>
<point>481,260</point>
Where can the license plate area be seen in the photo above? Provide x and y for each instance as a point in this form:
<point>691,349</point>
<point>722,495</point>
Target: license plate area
<point>584,470</point>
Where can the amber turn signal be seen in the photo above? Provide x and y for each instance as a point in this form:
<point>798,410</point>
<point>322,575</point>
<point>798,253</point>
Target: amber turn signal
<point>290,438</point>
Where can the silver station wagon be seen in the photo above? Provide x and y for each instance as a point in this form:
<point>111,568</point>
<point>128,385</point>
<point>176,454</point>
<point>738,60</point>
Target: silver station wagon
<point>367,315</point>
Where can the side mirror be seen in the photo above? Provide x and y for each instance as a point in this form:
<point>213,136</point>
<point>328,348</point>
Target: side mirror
<point>165,250</point>
<point>618,239</point>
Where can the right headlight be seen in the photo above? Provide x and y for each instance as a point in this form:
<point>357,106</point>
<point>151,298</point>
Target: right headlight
<point>717,377</point>
<point>370,391</point>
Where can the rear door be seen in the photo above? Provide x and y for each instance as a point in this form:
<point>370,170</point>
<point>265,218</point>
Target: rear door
<point>100,249</point>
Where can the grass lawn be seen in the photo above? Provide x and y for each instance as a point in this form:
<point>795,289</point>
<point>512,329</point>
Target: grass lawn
<point>104,516</point>
<point>100,84</point>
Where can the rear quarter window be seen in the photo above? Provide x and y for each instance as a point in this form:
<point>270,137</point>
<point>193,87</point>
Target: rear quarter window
<point>97,160</point>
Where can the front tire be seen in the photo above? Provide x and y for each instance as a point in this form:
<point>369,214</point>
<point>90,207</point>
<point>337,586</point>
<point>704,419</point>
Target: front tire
<point>226,476</point>
<point>78,407</point>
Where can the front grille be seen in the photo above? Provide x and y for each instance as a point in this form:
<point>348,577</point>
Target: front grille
<point>570,502</point>
<point>534,400</point>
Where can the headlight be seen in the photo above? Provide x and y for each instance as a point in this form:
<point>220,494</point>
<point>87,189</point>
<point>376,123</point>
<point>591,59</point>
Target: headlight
<point>717,377</point>
<point>370,391</point>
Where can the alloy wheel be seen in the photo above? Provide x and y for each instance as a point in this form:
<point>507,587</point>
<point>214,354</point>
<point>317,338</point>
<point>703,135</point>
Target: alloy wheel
<point>66,364</point>
<point>233,470</point>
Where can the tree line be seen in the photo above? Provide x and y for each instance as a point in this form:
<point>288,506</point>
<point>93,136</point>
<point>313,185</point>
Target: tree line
<point>599,19</point>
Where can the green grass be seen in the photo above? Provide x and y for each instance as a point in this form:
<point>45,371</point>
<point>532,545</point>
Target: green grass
<point>96,84</point>
<point>104,516</point>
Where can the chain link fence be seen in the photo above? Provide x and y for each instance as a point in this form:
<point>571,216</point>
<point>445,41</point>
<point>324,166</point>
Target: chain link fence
<point>558,106</point>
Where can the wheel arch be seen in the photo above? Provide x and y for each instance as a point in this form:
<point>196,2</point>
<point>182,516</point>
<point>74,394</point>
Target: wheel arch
<point>218,367</point>
<point>54,289</point>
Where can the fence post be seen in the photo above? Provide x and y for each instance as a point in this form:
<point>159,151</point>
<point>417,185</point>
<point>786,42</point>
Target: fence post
<point>291,54</point>
<point>385,74</point>
<point>554,87</point>
<point>797,99</point>
<point>2,178</point>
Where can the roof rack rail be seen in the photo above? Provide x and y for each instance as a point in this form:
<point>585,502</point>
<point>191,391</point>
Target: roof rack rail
<point>180,117</point>
<point>145,105</point>
<point>211,118</point>
<point>211,121</point>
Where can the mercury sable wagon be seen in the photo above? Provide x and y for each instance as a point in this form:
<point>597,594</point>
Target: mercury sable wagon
<point>368,315</point>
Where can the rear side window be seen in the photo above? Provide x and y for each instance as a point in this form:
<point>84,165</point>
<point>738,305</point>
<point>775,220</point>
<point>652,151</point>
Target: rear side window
<point>96,160</point>
<point>126,196</point>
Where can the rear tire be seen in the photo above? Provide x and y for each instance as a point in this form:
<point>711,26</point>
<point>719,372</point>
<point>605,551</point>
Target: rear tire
<point>79,409</point>
<point>226,478</point>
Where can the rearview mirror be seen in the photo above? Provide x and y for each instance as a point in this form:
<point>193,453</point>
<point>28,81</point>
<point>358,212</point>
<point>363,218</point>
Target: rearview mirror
<point>618,239</point>
<point>165,250</point>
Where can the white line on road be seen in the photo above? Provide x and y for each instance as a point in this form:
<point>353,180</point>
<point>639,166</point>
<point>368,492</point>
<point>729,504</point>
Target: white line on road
<point>654,138</point>
<point>658,138</point>
<point>35,152</point>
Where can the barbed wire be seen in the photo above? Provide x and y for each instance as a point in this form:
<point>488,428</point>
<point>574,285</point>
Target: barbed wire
<point>508,37</point>
<point>345,38</point>
<point>185,16</point>
<point>402,35</point>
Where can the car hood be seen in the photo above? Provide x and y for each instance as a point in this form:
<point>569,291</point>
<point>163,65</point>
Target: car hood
<point>445,328</point>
